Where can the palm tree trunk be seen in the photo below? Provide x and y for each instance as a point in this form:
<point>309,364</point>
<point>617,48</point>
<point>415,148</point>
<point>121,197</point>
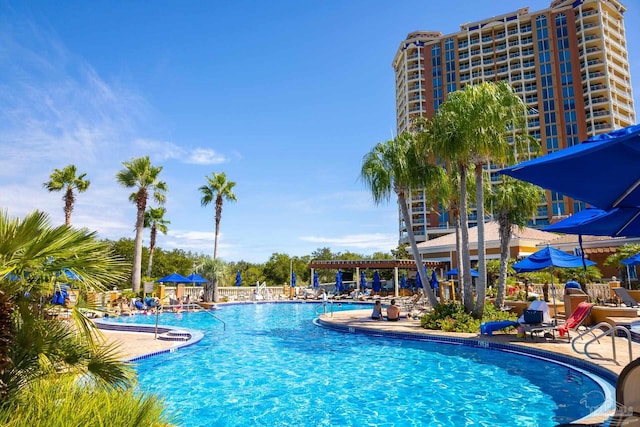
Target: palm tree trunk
<point>465,274</point>
<point>481,283</point>
<point>459,255</point>
<point>152,247</point>
<point>6,336</point>
<point>218,218</point>
<point>414,250</point>
<point>505,238</point>
<point>68,206</point>
<point>216,295</point>
<point>137,254</point>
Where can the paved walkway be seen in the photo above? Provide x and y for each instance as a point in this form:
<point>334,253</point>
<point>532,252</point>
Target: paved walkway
<point>360,319</point>
<point>133,344</point>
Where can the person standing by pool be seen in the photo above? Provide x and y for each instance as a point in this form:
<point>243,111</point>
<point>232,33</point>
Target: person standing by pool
<point>393,311</point>
<point>376,314</point>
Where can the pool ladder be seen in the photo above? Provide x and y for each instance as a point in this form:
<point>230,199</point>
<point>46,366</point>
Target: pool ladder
<point>323,306</point>
<point>224,325</point>
<point>607,331</point>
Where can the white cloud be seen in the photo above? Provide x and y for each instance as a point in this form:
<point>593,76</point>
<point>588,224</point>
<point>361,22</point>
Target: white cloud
<point>165,150</point>
<point>202,156</point>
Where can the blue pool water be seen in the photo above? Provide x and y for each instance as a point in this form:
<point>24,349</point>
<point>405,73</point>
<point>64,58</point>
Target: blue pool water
<point>273,367</point>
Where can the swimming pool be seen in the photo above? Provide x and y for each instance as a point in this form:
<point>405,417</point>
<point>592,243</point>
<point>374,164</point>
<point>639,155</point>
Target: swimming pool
<point>272,366</point>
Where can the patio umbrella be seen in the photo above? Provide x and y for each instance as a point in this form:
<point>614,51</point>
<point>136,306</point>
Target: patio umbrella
<point>197,279</point>
<point>377,286</point>
<point>550,257</point>
<point>173,278</point>
<point>418,281</point>
<point>316,280</point>
<point>454,272</point>
<point>363,281</point>
<point>434,280</point>
<point>598,222</point>
<point>584,171</point>
<point>339,282</point>
<point>293,279</point>
<point>70,274</point>
<point>633,260</point>
<point>238,278</point>
<point>403,281</point>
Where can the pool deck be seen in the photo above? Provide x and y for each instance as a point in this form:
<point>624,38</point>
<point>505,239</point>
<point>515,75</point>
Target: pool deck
<point>135,344</point>
<point>359,319</point>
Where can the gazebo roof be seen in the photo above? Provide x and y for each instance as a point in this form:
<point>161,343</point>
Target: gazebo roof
<point>408,264</point>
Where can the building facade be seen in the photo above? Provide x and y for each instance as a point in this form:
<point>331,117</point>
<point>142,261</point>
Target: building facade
<point>569,63</point>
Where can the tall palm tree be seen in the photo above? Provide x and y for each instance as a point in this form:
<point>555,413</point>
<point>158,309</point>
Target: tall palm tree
<point>139,173</point>
<point>67,180</point>
<point>32,256</point>
<point>215,270</point>
<point>485,118</point>
<point>512,202</point>
<point>394,167</point>
<point>154,219</point>
<point>217,189</point>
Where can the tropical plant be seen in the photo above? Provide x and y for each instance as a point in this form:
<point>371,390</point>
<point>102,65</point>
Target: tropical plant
<point>214,270</point>
<point>62,402</point>
<point>512,202</point>
<point>396,166</point>
<point>67,180</point>
<point>472,128</point>
<point>217,189</point>
<point>139,173</point>
<point>623,252</point>
<point>34,257</point>
<point>154,219</point>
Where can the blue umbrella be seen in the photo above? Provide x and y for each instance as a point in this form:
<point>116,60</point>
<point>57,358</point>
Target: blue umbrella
<point>403,282</point>
<point>584,171</point>
<point>634,260</point>
<point>339,281</point>
<point>174,278</point>
<point>70,274</point>
<point>376,282</point>
<point>316,280</point>
<point>434,280</point>
<point>197,279</point>
<point>418,281</point>
<point>238,278</point>
<point>454,272</point>
<point>548,258</point>
<point>598,222</point>
<point>363,281</point>
<point>293,279</point>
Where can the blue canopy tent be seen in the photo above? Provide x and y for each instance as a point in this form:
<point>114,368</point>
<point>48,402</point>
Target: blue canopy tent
<point>316,280</point>
<point>196,279</point>
<point>363,281</point>
<point>377,285</point>
<point>339,282</point>
<point>583,171</point>
<point>173,278</point>
<point>550,257</point>
<point>238,278</point>
<point>454,272</point>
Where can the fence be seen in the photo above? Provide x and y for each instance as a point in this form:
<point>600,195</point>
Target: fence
<point>596,291</point>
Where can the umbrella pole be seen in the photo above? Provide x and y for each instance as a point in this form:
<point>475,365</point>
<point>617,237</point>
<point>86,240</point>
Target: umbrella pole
<point>555,308</point>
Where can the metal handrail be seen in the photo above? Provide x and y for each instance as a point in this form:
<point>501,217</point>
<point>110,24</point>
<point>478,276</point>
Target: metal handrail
<point>609,331</point>
<point>323,305</point>
<point>224,325</point>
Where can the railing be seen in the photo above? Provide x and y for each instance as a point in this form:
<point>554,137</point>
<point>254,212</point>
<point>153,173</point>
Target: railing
<point>596,291</point>
<point>609,331</point>
<point>323,306</point>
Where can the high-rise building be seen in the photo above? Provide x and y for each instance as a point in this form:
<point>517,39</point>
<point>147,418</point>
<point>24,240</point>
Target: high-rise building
<point>569,63</point>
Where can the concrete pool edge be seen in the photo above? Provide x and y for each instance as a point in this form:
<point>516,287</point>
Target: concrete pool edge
<point>193,336</point>
<point>605,378</point>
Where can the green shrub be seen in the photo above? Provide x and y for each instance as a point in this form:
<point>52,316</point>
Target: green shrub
<point>450,317</point>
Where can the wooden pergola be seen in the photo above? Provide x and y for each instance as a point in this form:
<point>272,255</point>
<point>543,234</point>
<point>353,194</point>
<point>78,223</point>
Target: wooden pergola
<point>395,264</point>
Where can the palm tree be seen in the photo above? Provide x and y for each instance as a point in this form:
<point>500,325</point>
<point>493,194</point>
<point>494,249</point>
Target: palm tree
<point>218,189</point>
<point>215,270</point>
<point>394,167</point>
<point>32,256</point>
<point>67,180</point>
<point>139,173</point>
<point>154,219</point>
<point>481,121</point>
<point>512,202</point>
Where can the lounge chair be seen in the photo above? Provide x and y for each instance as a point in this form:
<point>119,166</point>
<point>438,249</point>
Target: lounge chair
<point>536,319</point>
<point>576,320</point>
<point>625,297</point>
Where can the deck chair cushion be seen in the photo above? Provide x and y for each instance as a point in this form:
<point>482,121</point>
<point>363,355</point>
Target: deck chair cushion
<point>532,316</point>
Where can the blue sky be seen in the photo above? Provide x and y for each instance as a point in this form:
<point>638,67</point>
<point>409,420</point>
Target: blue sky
<point>285,97</point>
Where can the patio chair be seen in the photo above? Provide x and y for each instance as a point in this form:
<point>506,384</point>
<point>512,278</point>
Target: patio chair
<point>625,297</point>
<point>576,320</point>
<point>536,319</point>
